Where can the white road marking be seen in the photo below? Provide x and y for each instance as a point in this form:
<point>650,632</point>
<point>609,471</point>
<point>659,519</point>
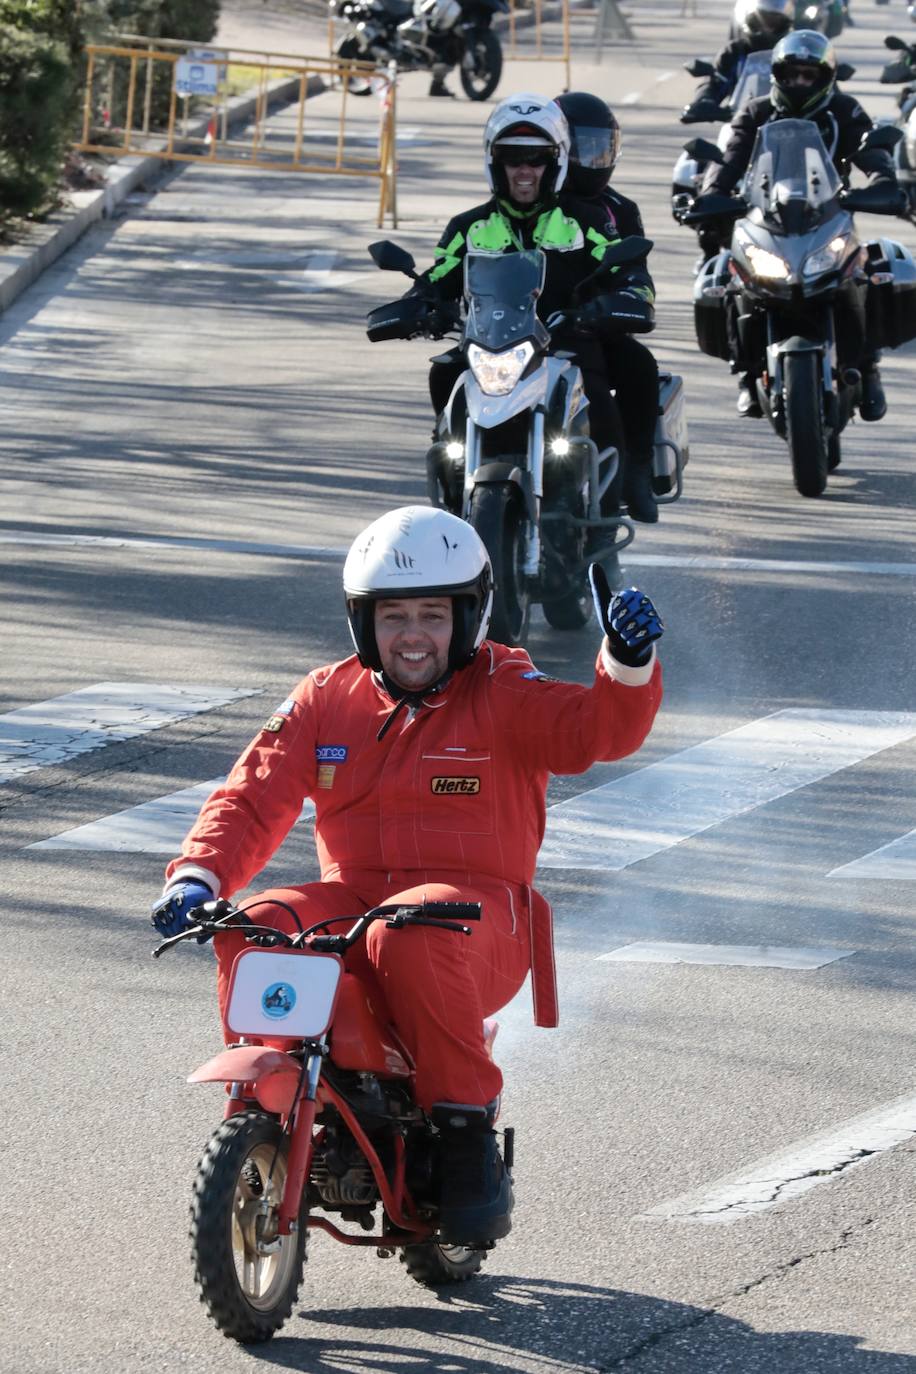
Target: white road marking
<point>895,861</point>
<point>634,97</point>
<point>790,1172</point>
<point>334,554</point>
<point>733,956</point>
<point>51,732</point>
<point>154,827</point>
<point>612,827</point>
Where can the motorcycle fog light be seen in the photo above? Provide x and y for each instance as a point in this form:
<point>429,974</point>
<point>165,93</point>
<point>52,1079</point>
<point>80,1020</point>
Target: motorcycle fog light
<point>559,447</point>
<point>811,12</point>
<point>766,264</point>
<point>454,450</point>
<point>498,373</point>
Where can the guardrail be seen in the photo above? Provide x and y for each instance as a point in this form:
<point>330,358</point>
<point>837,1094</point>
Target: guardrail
<point>173,101</point>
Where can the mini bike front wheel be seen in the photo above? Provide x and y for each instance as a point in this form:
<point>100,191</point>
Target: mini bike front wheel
<point>248,1275</point>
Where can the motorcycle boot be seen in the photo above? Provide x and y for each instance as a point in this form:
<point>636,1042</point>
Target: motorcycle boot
<point>637,490</point>
<point>748,404</point>
<point>437,85</point>
<point>873,405</point>
<point>476,1197</point>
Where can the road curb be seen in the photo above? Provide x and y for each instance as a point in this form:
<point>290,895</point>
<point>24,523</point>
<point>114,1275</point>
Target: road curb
<point>23,263</point>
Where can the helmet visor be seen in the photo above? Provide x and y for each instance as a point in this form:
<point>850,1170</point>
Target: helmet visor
<point>524,154</point>
<point>798,76</point>
<point>593,147</point>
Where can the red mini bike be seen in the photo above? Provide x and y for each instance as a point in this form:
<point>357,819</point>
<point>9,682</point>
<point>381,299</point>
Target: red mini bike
<point>320,1116</point>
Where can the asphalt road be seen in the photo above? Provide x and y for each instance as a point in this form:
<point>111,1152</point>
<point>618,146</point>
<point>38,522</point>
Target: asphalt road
<point>193,427</point>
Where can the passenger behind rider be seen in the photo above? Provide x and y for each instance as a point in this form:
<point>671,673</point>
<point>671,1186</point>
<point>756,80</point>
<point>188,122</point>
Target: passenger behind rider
<point>427,755</point>
<point>803,86</point>
<point>526,153</point>
<point>630,367</point>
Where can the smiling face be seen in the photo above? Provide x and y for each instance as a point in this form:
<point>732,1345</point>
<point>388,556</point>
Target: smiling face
<point>413,634</point>
<point>524,183</point>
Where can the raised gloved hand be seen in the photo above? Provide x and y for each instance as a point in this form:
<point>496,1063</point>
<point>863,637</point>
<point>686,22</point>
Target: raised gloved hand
<point>170,913</point>
<point>630,621</point>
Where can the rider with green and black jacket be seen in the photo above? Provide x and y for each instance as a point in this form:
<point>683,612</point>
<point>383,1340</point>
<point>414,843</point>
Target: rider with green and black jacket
<point>526,145</point>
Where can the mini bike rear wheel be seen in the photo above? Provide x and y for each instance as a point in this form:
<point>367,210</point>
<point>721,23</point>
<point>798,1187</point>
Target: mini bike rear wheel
<point>434,1264</point>
<point>248,1275</point>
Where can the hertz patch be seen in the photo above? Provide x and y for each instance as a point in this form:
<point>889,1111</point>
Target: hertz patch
<point>275,723</point>
<point>447,787</point>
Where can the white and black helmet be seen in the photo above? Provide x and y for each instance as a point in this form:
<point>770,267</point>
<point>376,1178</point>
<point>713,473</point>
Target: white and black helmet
<point>772,17</point>
<point>419,551</point>
<point>527,121</point>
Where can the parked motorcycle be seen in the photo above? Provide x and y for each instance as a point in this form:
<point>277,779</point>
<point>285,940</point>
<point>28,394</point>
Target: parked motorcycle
<point>419,35</point>
<point>320,1117</point>
<point>513,454</point>
<point>904,70</point>
<point>793,247</point>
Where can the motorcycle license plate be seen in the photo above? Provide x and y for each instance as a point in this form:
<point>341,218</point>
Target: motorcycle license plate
<point>277,993</point>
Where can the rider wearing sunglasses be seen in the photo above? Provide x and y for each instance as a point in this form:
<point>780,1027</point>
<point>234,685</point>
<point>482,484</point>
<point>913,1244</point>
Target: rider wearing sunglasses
<point>526,158</point>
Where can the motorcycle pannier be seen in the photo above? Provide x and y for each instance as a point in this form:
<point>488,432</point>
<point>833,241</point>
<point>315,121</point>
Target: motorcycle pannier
<point>672,447</point>
<point>890,301</point>
<point>709,307</point>
<point>401,319</point>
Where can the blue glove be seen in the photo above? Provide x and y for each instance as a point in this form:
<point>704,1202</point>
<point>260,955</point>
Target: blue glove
<point>630,621</point>
<point>170,913</point>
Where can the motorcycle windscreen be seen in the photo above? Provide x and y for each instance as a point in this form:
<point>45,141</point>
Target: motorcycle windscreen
<point>754,80</point>
<point>502,292</point>
<point>792,179</point>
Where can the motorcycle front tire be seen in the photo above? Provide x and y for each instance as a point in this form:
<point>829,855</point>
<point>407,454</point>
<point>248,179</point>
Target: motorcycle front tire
<point>248,1293</point>
<point>480,81</point>
<point>806,430</point>
<point>572,611</point>
<point>497,513</point>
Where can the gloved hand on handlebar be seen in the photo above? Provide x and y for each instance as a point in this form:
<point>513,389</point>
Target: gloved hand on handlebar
<point>625,311</point>
<point>630,621</point>
<point>703,111</point>
<point>170,913</point>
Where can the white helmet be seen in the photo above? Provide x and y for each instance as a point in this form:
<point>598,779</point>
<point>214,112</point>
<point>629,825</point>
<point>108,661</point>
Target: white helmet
<point>419,551</point>
<point>527,121</point>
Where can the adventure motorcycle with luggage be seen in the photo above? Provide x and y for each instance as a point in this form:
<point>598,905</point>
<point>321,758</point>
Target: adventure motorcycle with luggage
<point>513,455</point>
<point>903,69</point>
<point>424,35</point>
<point>320,1127</point>
<point>794,249</point>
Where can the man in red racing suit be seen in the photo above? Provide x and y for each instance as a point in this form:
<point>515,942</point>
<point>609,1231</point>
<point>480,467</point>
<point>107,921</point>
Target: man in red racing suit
<point>436,794</point>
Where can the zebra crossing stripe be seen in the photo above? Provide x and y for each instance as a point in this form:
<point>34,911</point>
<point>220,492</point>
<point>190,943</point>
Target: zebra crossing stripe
<point>895,861</point>
<point>154,827</point>
<point>614,826</point>
<point>52,732</point>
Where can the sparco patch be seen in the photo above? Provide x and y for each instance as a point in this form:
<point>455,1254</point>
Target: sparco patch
<point>331,753</point>
<point>467,787</point>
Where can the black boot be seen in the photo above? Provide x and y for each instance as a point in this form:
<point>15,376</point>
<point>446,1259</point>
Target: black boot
<point>638,494</point>
<point>476,1194</point>
<point>438,86</point>
<point>748,405</point>
<point>873,405</point>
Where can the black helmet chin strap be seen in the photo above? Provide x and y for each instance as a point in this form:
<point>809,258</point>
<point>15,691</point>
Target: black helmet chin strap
<point>402,696</point>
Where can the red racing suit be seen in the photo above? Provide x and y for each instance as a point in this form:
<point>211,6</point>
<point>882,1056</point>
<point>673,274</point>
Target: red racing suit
<point>449,804</point>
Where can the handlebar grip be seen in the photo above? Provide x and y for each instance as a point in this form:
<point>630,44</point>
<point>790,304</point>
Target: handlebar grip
<point>453,911</point>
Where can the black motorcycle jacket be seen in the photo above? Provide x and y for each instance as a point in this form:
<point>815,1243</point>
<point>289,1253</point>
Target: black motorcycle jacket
<point>842,124</point>
<point>573,234</point>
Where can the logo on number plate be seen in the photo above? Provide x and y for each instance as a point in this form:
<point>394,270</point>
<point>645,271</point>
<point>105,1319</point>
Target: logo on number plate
<point>278,1000</point>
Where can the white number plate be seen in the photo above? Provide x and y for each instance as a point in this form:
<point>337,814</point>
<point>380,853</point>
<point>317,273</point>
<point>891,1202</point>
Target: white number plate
<point>283,994</point>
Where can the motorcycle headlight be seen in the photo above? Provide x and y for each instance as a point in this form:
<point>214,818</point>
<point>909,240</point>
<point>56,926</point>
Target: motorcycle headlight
<point>498,373</point>
<point>767,264</point>
<point>826,258</point>
<point>811,12</point>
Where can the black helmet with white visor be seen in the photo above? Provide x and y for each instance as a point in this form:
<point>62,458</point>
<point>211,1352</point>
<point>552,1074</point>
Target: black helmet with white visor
<point>419,551</point>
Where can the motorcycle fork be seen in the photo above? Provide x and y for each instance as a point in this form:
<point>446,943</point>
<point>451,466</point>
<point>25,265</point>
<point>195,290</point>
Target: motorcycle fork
<point>302,1116</point>
<point>533,494</point>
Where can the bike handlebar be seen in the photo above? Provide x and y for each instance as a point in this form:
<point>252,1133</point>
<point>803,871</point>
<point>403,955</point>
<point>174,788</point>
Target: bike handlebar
<point>220,915</point>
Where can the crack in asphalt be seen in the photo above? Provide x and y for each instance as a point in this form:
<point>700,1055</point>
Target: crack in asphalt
<point>855,1157</point>
<point>712,1309</point>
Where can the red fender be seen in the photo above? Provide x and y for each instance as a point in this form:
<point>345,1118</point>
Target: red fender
<point>273,1075</point>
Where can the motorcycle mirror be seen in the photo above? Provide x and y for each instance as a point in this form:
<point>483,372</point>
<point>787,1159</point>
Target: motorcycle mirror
<point>392,258</point>
<point>699,67</point>
<point>882,136</point>
<point>895,73</point>
<point>895,44</point>
<point>702,150</point>
<point>630,249</point>
<point>845,71</point>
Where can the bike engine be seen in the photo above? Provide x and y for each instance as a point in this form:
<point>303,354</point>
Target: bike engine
<point>340,1171</point>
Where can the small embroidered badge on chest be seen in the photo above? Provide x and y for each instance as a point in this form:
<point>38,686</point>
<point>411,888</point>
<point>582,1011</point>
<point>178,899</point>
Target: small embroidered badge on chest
<point>326,775</point>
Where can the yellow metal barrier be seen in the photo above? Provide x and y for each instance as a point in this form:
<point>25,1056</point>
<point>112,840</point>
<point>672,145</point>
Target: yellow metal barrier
<point>131,106</point>
<point>535,14</point>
